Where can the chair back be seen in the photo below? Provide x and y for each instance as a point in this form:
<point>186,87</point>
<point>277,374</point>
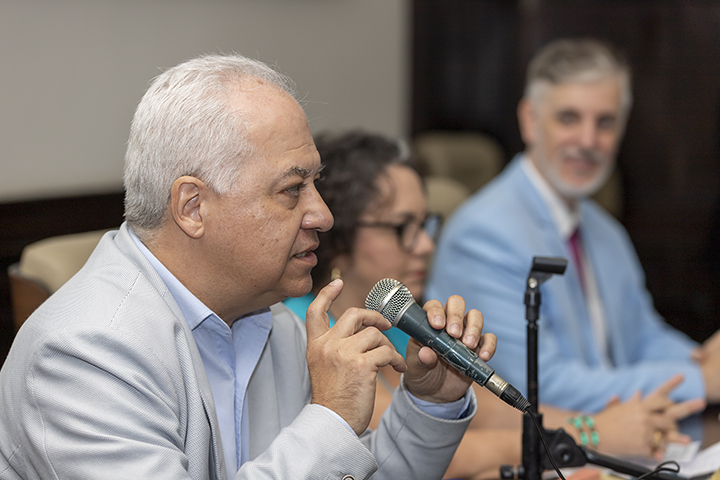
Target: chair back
<point>44,267</point>
<point>471,158</point>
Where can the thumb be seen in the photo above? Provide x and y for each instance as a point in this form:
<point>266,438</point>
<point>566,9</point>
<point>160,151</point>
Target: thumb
<point>317,321</point>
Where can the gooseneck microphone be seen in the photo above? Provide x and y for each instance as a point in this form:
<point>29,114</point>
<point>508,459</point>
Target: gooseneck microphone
<point>394,301</point>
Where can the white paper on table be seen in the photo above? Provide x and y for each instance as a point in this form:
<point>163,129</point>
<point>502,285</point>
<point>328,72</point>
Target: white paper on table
<point>692,461</point>
<point>706,461</point>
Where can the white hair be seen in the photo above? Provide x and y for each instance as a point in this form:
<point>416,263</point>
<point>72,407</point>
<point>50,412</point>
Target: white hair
<point>577,61</point>
<point>185,125</point>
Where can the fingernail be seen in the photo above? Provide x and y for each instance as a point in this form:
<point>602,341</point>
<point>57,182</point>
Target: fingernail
<point>455,330</point>
<point>471,341</point>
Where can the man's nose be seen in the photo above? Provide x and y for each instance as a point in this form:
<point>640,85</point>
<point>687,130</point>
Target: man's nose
<point>588,135</point>
<point>318,215</point>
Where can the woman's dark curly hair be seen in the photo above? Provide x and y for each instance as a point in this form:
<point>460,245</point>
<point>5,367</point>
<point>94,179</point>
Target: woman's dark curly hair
<point>353,163</point>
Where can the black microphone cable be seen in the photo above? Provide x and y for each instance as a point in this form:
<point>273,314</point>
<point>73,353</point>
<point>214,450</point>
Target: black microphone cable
<point>541,431</point>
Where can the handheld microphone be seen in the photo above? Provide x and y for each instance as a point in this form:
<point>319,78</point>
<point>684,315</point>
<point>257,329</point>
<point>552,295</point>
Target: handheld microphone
<point>394,301</point>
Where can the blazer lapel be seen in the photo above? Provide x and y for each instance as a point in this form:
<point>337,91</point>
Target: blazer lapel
<point>125,243</point>
<point>570,312</point>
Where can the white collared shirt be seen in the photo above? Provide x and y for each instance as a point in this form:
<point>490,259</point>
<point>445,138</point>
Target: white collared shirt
<point>566,221</point>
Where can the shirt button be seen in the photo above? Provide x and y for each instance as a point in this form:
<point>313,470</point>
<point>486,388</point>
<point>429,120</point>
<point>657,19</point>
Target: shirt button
<point>348,477</point>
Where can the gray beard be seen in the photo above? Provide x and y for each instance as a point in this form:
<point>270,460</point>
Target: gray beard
<point>571,191</point>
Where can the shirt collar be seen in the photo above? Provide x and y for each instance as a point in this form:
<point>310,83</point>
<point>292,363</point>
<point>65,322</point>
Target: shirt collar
<point>194,311</point>
<point>192,308</point>
<point>566,220</point>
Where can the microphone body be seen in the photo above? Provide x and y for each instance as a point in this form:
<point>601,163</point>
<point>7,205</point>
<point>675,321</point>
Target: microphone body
<point>393,300</point>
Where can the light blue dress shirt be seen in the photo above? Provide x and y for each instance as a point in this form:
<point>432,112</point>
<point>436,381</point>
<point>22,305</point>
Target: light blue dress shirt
<point>229,355</point>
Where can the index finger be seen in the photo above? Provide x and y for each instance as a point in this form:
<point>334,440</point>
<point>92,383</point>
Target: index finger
<point>356,319</point>
<point>435,313</point>
<point>669,385</point>
<point>317,320</point>
<point>658,399</point>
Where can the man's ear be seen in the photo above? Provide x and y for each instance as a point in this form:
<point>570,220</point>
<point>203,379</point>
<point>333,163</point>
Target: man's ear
<point>187,196</point>
<point>527,121</point>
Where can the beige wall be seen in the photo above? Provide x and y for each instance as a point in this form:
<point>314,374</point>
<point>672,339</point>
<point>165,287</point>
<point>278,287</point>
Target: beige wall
<point>72,71</point>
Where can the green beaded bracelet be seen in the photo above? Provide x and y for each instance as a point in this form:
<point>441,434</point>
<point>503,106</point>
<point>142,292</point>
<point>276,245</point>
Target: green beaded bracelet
<point>577,422</point>
<point>582,421</point>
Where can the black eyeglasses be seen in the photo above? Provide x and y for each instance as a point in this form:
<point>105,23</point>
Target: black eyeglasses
<point>408,231</point>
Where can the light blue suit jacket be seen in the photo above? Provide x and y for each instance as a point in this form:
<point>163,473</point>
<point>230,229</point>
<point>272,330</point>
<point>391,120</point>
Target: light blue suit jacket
<point>485,255</point>
<point>105,381</point>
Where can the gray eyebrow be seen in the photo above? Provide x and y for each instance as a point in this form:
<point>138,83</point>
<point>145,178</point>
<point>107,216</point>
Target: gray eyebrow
<point>302,171</point>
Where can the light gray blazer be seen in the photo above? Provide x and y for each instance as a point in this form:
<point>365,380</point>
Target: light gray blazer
<point>105,381</point>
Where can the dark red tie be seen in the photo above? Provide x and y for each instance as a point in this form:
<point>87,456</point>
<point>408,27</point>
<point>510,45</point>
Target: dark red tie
<point>576,249</point>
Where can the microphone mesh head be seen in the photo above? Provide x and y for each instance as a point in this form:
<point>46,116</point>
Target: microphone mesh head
<point>389,297</point>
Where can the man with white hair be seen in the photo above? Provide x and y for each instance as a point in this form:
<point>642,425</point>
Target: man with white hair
<point>599,335</point>
<point>168,356</point>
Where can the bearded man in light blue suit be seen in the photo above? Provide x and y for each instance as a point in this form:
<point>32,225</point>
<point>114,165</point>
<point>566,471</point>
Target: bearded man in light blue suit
<point>165,356</point>
<point>599,335</point>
